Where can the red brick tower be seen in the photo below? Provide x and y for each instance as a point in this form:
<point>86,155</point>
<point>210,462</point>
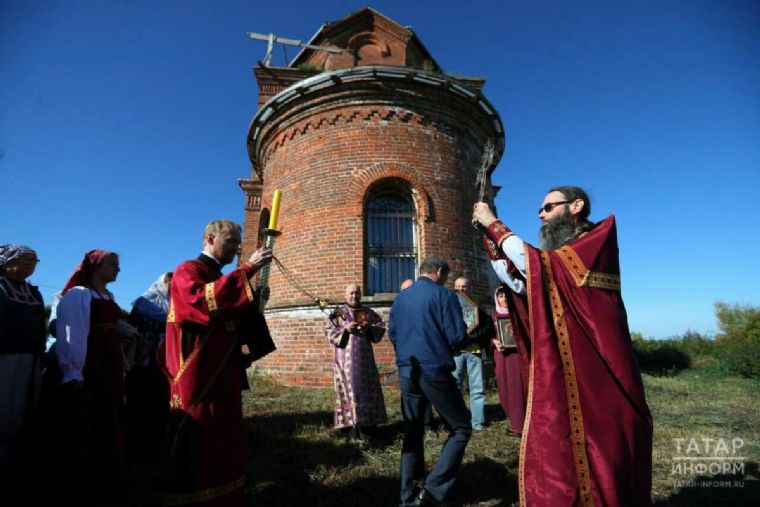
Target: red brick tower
<point>376,152</point>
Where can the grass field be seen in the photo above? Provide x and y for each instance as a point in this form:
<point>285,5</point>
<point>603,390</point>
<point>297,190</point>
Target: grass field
<point>296,458</point>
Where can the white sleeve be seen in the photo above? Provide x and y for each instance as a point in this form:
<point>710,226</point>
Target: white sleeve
<point>516,284</point>
<point>72,327</point>
<point>514,248</point>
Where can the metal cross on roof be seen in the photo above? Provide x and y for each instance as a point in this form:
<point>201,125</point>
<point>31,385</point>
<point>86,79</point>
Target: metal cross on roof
<point>272,39</point>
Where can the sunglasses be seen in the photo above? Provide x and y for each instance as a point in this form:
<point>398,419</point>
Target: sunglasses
<point>549,206</point>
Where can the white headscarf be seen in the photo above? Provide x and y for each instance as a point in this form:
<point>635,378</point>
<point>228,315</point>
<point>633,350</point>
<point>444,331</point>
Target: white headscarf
<point>158,293</point>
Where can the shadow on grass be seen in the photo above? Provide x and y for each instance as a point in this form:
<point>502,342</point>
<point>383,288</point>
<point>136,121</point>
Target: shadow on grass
<point>365,492</point>
<point>483,481</point>
<point>494,412</point>
<point>720,490</point>
<point>386,435</point>
<point>291,462</point>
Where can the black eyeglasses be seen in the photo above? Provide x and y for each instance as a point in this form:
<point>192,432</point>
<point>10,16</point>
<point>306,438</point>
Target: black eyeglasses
<point>549,206</point>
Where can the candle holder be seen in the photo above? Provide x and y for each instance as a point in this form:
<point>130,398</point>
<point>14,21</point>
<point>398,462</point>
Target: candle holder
<point>271,235</point>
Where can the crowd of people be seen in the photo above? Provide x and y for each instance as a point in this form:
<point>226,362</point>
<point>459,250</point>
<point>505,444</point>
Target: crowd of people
<point>164,384</point>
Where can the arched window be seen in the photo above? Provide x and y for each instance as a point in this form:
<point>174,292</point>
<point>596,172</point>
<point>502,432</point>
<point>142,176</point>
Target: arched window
<point>391,241</point>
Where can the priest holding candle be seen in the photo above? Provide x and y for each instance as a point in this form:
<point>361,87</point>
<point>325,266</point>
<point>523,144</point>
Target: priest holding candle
<point>210,315</point>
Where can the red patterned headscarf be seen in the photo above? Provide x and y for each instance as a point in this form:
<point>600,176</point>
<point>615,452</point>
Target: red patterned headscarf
<point>85,269</point>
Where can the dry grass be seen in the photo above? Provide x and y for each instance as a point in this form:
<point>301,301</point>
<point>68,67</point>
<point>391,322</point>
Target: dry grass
<point>296,458</point>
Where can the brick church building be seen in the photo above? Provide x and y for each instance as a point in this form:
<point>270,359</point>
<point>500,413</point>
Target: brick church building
<point>376,151</point>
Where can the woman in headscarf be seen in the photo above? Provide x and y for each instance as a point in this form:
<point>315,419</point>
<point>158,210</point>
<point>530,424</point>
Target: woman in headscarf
<point>507,367</point>
<point>90,355</point>
<point>147,390</point>
<point>22,342</point>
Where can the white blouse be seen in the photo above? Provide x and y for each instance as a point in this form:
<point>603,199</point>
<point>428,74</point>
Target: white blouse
<point>72,326</point>
<point>514,248</point>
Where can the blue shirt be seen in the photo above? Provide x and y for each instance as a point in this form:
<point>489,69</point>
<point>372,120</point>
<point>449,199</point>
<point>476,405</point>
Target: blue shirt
<point>426,327</point>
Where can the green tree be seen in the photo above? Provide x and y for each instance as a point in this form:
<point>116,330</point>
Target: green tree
<point>739,337</point>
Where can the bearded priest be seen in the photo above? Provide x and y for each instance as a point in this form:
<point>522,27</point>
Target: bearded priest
<point>587,436</point>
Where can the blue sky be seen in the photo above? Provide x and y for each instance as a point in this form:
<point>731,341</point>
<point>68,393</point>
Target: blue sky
<point>123,126</point>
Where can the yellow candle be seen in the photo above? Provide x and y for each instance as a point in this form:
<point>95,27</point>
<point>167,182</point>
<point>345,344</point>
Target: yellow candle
<point>275,210</point>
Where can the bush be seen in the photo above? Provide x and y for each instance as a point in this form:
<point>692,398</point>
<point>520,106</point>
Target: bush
<point>739,341</point>
<point>667,357</point>
<point>697,346</point>
<point>659,357</point>
<point>735,350</point>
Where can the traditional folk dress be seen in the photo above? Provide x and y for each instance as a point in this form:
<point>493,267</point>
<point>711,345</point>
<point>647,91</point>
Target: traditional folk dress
<point>22,342</point>
<point>358,396</point>
<point>209,316</point>
<point>509,378</point>
<point>89,350</point>
<point>587,437</point>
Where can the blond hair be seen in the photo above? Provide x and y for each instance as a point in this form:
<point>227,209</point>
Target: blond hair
<point>216,227</point>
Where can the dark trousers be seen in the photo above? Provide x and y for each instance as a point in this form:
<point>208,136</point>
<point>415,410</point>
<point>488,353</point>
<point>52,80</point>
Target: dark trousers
<point>417,393</point>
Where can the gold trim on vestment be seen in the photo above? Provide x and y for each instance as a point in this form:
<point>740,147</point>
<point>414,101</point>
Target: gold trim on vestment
<point>498,232</point>
<point>211,297</point>
<point>529,401</point>
<point>247,283</point>
<point>184,363</point>
<point>205,389</point>
<point>504,238</point>
<point>175,401</point>
<point>583,276</point>
<point>601,281</point>
<point>577,434</point>
<point>203,495</point>
<point>170,315</point>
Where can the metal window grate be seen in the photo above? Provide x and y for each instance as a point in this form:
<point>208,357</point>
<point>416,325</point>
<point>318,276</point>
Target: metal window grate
<point>391,242</point>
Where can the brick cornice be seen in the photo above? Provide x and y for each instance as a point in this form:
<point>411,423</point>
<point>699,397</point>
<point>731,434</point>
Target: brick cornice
<point>426,96</point>
<point>365,113</point>
<point>365,179</point>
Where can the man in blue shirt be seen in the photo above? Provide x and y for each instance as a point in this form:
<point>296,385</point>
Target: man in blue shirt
<point>426,328</point>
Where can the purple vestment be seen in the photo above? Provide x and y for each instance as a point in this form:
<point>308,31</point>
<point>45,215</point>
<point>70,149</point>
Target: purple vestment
<point>358,395</point>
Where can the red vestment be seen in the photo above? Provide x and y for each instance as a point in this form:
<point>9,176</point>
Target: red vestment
<point>509,382</point>
<point>587,437</point>
<point>201,355</point>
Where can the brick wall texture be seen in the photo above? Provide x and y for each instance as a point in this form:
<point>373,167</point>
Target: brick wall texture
<point>328,158</point>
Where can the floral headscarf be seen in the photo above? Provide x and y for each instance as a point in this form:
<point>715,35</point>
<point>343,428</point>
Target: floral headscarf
<point>12,252</point>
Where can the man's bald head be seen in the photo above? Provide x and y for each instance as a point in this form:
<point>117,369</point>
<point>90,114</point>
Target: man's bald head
<point>462,284</point>
<point>353,295</point>
<point>406,283</point>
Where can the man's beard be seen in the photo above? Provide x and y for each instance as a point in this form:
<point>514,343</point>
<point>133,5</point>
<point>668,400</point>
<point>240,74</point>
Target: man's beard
<point>557,231</point>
